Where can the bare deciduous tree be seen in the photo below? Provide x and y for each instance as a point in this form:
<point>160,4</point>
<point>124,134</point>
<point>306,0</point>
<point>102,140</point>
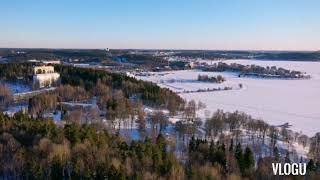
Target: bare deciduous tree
<point>6,96</point>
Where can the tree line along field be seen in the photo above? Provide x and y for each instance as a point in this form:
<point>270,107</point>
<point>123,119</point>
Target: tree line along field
<point>33,147</point>
<point>258,71</point>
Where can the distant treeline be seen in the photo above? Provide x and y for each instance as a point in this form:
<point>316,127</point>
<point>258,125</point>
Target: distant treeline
<point>149,61</point>
<point>111,57</point>
<point>214,79</point>
<point>255,70</point>
<point>16,71</point>
<point>207,54</point>
<point>83,56</point>
<point>271,55</point>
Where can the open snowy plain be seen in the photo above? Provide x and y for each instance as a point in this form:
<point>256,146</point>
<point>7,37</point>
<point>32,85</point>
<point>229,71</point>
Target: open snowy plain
<point>276,101</point>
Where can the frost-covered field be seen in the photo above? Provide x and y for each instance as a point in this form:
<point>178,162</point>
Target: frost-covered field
<point>273,100</point>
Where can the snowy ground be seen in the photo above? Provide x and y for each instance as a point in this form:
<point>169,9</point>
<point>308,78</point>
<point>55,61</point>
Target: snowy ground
<point>17,87</point>
<point>15,109</point>
<point>273,100</point>
<point>178,81</point>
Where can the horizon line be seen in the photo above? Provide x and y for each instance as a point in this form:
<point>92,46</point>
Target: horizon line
<point>164,49</point>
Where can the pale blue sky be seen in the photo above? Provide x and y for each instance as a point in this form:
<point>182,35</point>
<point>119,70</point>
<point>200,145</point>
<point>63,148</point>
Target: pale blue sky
<point>178,24</point>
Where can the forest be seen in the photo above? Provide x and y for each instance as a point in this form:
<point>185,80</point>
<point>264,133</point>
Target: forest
<point>151,62</point>
<point>226,145</point>
<point>87,78</point>
<point>83,55</point>
<point>262,55</point>
<point>38,149</point>
<point>16,72</point>
<point>149,93</point>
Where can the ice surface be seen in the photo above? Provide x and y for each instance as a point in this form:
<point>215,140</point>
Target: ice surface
<point>276,101</point>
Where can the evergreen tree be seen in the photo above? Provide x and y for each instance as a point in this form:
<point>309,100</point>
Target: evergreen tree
<point>248,158</point>
<point>276,153</point>
<point>212,146</point>
<point>161,142</point>
<point>231,145</point>
<point>287,158</point>
<point>192,144</point>
<point>311,165</point>
<point>239,156</point>
<point>220,156</point>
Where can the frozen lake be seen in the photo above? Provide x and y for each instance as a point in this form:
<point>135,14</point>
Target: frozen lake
<point>273,100</point>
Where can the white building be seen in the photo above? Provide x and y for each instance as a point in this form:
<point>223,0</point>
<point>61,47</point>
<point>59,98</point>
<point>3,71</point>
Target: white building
<point>44,76</point>
<point>51,62</point>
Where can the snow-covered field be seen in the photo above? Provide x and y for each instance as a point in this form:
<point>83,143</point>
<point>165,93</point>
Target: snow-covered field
<point>273,100</point>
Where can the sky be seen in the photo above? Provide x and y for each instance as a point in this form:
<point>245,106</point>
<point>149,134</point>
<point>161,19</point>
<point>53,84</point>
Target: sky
<point>161,24</point>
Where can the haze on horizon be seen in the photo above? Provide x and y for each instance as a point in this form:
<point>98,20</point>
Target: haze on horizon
<point>143,24</point>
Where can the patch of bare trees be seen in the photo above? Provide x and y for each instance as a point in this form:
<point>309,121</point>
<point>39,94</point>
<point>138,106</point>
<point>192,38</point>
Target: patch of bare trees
<point>72,93</point>
<point>6,96</point>
<point>41,104</point>
<point>315,147</point>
